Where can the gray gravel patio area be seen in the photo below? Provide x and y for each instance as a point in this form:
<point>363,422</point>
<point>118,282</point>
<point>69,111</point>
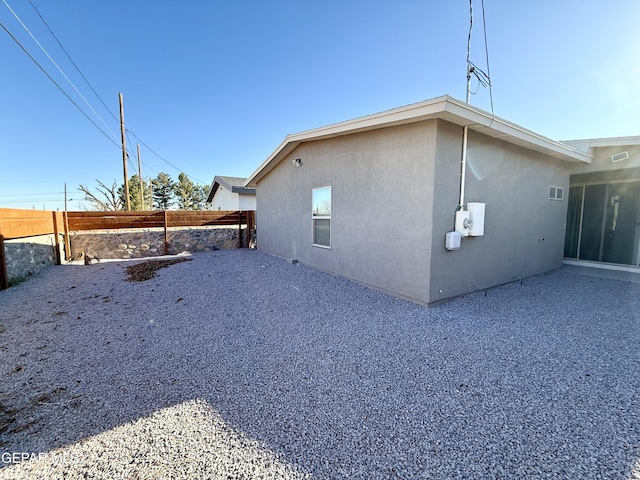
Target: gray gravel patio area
<point>239,365</point>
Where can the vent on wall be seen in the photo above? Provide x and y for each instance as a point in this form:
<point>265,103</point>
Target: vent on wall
<point>556,193</point>
<point>619,156</point>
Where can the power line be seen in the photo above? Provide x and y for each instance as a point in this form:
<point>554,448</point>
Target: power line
<point>486,51</point>
<point>57,66</point>
<point>130,148</point>
<point>35,200</point>
<point>164,160</point>
<point>76,89</point>
<point>72,62</point>
<point>30,194</point>
<point>484,79</point>
<point>57,85</point>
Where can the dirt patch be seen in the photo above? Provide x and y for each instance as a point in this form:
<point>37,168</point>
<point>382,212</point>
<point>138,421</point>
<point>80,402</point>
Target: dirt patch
<point>147,270</point>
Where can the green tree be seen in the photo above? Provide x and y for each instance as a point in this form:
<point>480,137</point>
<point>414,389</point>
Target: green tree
<point>189,195</point>
<point>200,197</point>
<point>163,191</point>
<point>134,194</point>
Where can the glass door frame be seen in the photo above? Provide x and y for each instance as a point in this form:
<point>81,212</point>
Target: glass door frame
<point>607,184</point>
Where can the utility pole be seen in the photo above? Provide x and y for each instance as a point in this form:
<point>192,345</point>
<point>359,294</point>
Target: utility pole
<point>124,156</point>
<point>67,240</point>
<point>140,180</point>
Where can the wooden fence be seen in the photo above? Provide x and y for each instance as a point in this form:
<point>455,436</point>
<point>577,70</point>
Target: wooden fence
<point>15,223</point>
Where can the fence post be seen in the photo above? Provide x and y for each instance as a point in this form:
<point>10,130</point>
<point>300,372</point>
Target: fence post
<point>4,277</point>
<point>67,240</point>
<point>250,226</point>
<point>166,238</point>
<point>56,233</point>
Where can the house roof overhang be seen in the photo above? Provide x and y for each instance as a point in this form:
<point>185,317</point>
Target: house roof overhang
<point>445,108</point>
<point>233,184</point>
<point>586,144</point>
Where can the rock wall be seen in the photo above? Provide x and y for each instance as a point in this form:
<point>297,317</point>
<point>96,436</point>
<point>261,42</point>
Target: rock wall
<point>27,256</point>
<point>149,242</point>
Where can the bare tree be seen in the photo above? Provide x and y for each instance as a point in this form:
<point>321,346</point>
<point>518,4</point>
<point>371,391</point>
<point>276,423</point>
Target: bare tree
<point>107,199</point>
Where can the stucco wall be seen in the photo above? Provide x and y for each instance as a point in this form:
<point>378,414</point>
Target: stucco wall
<point>394,196</point>
<point>247,202</point>
<point>524,230</point>
<point>225,200</point>
<point>602,159</point>
<point>382,193</point>
<point>602,169</point>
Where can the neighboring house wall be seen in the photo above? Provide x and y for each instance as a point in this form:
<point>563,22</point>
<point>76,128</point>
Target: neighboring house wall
<point>382,193</point>
<point>246,202</point>
<point>225,200</point>
<point>524,229</point>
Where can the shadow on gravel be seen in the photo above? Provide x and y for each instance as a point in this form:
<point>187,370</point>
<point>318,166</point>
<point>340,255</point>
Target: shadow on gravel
<point>237,364</point>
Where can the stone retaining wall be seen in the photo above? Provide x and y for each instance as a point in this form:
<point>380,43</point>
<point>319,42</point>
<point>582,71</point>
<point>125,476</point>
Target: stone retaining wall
<point>27,256</point>
<point>149,242</point>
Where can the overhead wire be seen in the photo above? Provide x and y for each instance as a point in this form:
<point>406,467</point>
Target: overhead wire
<point>56,84</point>
<point>57,66</point>
<point>484,79</point>
<point>78,92</point>
<point>28,194</point>
<point>85,79</point>
<point>163,159</point>
<point>486,51</point>
<point>73,63</point>
<point>135,155</point>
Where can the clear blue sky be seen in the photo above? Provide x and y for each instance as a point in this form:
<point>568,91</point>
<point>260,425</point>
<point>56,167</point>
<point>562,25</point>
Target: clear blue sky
<point>214,86</point>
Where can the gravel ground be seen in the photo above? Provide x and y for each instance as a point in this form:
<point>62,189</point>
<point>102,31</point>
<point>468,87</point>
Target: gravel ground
<point>237,364</point>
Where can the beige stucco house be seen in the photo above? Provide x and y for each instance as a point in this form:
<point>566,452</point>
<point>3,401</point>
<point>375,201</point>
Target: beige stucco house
<point>229,193</point>
<point>393,200</point>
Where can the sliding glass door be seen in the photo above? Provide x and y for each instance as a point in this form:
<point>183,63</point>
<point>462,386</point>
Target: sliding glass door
<point>603,223</point>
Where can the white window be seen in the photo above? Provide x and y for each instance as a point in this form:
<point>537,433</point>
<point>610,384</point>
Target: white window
<point>321,216</point>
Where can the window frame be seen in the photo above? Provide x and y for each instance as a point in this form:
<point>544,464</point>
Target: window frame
<point>556,193</point>
<point>321,217</point>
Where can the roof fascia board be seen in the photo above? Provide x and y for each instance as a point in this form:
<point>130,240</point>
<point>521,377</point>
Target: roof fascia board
<point>243,190</point>
<point>606,142</point>
<point>397,116</point>
<point>272,160</point>
<point>212,190</point>
<point>446,108</point>
<point>496,127</point>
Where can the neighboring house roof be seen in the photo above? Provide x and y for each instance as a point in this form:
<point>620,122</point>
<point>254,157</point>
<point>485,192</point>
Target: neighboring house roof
<point>233,184</point>
<point>586,144</point>
<point>446,108</point>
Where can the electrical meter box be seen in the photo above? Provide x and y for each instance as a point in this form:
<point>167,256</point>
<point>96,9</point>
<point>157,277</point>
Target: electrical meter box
<point>476,218</point>
<point>463,220</point>
<point>452,240</point>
